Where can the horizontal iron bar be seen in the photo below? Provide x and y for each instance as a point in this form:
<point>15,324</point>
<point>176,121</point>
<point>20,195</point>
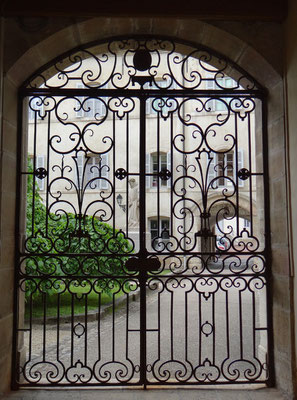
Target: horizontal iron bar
<point>136,276</point>
<point>139,92</point>
<point>151,384</point>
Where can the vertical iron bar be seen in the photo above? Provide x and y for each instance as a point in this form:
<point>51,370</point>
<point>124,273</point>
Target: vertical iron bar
<point>58,325</point>
<point>240,323</point>
<point>267,251</point>
<point>72,327</point>
<point>86,329</point>
<point>213,330</point>
<point>127,169</point>
<point>250,168</point>
<point>236,169</point>
<point>44,325</point>
<point>142,247</point>
<point>114,166</point>
<point>159,226</point>
<point>98,326</point>
<point>47,176</point>
<point>171,324</point>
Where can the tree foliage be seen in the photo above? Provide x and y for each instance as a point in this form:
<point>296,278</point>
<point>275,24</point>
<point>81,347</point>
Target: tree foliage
<point>69,246</point>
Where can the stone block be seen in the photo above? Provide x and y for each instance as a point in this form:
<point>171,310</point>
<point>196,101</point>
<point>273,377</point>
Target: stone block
<point>275,103</point>
<point>276,164</point>
<point>7,251</point>
<point>58,43</point>
<point>7,287</point>
<point>280,260</point>
<point>166,26</point>
<point>93,29</point>
<point>143,25</point>
<point>118,26</point>
<point>9,162</point>
<point>278,196</point>
<point>279,228</point>
<point>10,102</point>
<point>25,66</point>
<point>276,134</point>
<point>281,292</point>
<point>223,42</point>
<point>6,327</point>
<point>253,62</point>
<point>192,30</point>
<point>282,333</point>
<point>283,375</point>
<point>266,37</point>
<point>7,226</point>
<point>5,372</point>
<point>9,137</point>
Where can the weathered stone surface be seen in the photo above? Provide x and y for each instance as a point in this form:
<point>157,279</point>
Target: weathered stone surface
<point>8,213</point>
<point>191,30</point>
<point>94,29</point>
<point>280,260</point>
<point>9,137</point>
<point>166,26</point>
<point>278,194</point>
<point>223,42</point>
<point>25,66</point>
<point>275,102</point>
<point>276,166</point>
<point>283,374</point>
<point>279,229</point>
<point>281,292</point>
<point>276,134</point>
<point>7,251</point>
<point>5,371</point>
<point>259,68</point>
<point>60,42</point>
<point>6,325</point>
<point>265,37</point>
<point>10,102</point>
<point>6,286</point>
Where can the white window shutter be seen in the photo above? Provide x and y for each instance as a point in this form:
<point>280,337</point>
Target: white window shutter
<point>169,168</point>
<point>80,167</point>
<point>147,170</point>
<point>211,171</point>
<point>40,164</point>
<point>80,112</point>
<point>210,85</point>
<point>104,171</point>
<point>239,165</point>
<point>148,106</point>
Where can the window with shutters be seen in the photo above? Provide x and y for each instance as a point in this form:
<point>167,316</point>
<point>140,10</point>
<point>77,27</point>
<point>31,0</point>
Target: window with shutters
<point>92,107</point>
<point>160,230</point>
<point>224,167</point>
<point>153,105</point>
<point>220,104</point>
<point>154,165</point>
<point>40,163</point>
<point>93,171</point>
<point>35,106</point>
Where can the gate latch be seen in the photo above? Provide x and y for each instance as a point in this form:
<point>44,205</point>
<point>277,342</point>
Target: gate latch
<point>143,264</point>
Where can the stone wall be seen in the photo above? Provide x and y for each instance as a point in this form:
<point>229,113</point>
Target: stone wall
<point>26,51</point>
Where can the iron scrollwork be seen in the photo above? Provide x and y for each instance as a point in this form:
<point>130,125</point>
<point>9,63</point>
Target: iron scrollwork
<point>144,220</point>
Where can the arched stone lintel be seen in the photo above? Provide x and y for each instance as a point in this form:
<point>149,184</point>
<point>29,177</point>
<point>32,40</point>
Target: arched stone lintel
<point>192,30</point>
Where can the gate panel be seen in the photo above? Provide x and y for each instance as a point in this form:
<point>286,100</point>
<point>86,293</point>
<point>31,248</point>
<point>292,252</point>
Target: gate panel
<point>209,322</point>
<point>74,254</point>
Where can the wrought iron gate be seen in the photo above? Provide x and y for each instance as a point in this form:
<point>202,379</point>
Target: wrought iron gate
<point>144,257</point>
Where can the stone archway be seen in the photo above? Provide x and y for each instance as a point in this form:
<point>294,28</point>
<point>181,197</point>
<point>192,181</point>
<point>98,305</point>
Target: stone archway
<point>198,32</point>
